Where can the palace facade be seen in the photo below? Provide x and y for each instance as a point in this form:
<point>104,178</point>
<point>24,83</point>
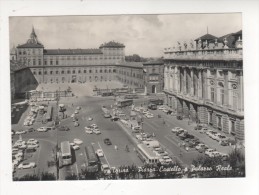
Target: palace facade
<point>204,82</point>
<point>104,64</point>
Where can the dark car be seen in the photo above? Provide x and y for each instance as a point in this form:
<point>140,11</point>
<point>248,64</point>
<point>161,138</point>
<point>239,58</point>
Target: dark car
<point>179,118</point>
<point>31,129</point>
<point>63,128</point>
<point>107,141</point>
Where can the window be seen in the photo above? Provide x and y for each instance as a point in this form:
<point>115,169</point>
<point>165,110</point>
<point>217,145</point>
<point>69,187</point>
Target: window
<point>39,62</point>
<point>56,62</point>
<point>90,71</point>
<point>219,122</point>
<point>51,62</point>
<point>110,71</point>
<point>105,71</point>
<point>34,72</point>
<point>235,100</point>
<point>45,72</point>
<point>96,71</point>
<point>222,96</point>
<point>101,71</point>
<point>212,94</point>
<point>68,72</point>
<point>50,72</point>
<point>45,62</point>
<point>57,72</point>
<point>74,71</point>
<point>39,72</point>
<point>62,72</point>
<point>34,62</point>
<point>79,71</point>
<point>232,127</point>
<point>210,118</point>
<point>84,71</point>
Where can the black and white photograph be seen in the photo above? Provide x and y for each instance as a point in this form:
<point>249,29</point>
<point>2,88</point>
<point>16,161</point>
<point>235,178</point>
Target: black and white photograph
<point>98,98</point>
<point>129,97</point>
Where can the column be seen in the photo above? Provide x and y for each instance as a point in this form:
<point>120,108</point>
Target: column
<point>192,82</point>
<point>199,84</point>
<point>184,81</point>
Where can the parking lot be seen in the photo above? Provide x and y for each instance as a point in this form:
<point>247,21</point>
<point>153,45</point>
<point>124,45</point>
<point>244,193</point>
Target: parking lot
<point>86,111</point>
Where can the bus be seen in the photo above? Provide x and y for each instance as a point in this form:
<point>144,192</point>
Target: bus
<point>91,159</point>
<point>65,156</point>
<point>131,96</point>
<point>124,103</point>
<point>49,113</point>
<point>146,155</point>
<point>156,101</point>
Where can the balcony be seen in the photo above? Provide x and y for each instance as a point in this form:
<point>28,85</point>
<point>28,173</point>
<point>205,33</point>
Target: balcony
<point>212,54</point>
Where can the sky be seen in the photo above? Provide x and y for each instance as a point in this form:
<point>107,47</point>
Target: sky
<point>145,35</point>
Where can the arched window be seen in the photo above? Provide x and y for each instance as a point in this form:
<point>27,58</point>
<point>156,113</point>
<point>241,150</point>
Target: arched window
<point>39,72</point>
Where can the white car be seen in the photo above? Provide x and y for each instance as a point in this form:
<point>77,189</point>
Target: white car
<point>209,152</point>
<point>145,111</point>
<point>32,146</point>
<point>161,107</point>
<point>72,115</point>
<point>20,132</point>
<point>105,169</point>
<point>90,118</point>
<point>42,129</point>
<point>96,131</point>
<point>27,165</point>
<point>23,146</point>
<point>176,129</point>
<point>78,108</point>
<point>167,159</point>
<point>78,141</point>
<point>74,146</point>
<point>99,152</point>
<point>93,126</point>
<point>149,115</point>
<point>200,146</point>
<point>76,112</point>
<point>32,141</point>
<point>88,130</point>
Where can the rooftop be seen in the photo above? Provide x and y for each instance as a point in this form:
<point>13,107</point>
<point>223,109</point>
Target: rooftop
<point>72,51</point>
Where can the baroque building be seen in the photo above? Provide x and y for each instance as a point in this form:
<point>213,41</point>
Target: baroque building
<point>103,64</point>
<point>203,82</point>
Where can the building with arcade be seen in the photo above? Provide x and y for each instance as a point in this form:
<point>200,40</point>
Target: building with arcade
<point>203,81</point>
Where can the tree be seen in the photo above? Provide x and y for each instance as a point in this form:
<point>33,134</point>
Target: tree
<point>47,176</point>
<point>28,177</point>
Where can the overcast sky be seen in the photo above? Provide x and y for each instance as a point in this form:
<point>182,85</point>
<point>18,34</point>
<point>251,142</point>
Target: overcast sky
<point>145,35</point>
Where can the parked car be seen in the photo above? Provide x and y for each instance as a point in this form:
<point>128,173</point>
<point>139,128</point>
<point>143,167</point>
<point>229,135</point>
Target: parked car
<point>96,131</point>
<point>93,126</point>
<point>88,130</point>
<point>176,129</point>
<point>219,137</point>
<point>63,128</point>
<point>32,141</point>
<point>76,123</point>
<point>99,153</point>
<point>76,112</point>
<point>31,129</point>
<point>32,146</point>
<point>74,146</point>
<point>90,119</point>
<point>78,141</point>
<point>201,146</point>
<point>105,169</point>
<point>19,132</point>
<point>27,165</point>
<point>179,117</point>
<point>224,143</point>
<point>42,129</point>
<point>209,152</point>
<point>107,141</point>
<point>78,108</point>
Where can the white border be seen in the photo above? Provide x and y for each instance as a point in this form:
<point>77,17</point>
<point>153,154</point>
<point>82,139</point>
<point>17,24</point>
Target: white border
<point>248,185</point>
